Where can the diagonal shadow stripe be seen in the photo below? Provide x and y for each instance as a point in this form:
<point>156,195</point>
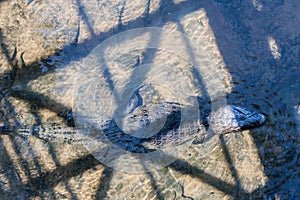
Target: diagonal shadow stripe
<point>50,179</point>
<point>185,168</point>
<point>41,101</point>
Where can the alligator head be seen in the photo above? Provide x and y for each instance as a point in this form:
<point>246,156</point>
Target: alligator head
<point>231,118</point>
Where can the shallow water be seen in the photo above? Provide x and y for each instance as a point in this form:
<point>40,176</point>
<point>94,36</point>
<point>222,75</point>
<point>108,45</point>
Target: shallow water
<point>244,54</point>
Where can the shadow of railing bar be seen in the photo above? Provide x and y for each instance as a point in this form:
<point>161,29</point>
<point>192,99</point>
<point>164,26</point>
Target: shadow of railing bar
<point>85,18</point>
<point>41,101</point>
<point>182,166</point>
<point>12,180</point>
<point>50,179</point>
<point>234,172</point>
<point>107,175</point>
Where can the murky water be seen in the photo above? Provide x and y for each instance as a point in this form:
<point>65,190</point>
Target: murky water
<point>244,54</point>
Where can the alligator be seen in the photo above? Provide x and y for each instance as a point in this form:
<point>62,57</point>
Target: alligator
<point>145,128</point>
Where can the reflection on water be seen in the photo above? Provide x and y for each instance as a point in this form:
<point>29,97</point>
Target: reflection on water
<point>260,163</point>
